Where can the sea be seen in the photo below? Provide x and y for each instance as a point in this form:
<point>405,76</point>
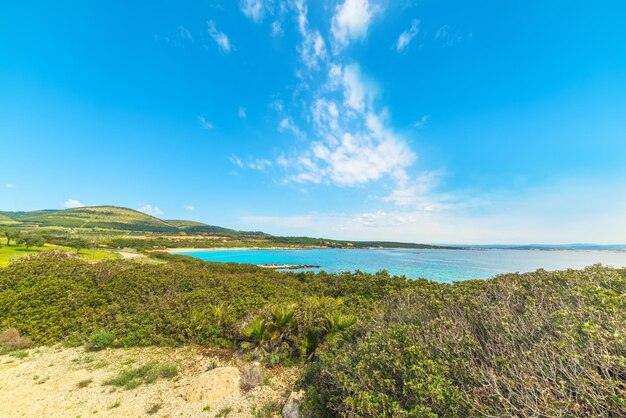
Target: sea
<point>444,266</point>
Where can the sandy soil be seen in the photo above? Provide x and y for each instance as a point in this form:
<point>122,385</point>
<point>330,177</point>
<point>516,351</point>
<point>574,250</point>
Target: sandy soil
<point>127,255</point>
<point>69,382</point>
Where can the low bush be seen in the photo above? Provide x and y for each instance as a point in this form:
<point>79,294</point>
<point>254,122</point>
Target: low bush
<point>252,375</point>
<point>100,340</point>
<point>146,374</point>
<point>537,344</point>
<point>54,298</point>
<point>10,339</point>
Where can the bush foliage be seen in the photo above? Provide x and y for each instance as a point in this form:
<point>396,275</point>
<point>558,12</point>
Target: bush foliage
<point>537,344</point>
<point>55,296</point>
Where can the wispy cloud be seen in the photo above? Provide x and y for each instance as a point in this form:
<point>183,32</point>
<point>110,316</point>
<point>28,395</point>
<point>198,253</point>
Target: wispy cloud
<point>553,213</point>
<point>150,210</point>
<point>9,185</point>
<point>72,203</point>
<point>253,9</point>
<point>442,32</point>
<point>242,113</point>
<point>205,123</point>
<point>405,38</point>
<point>190,208</point>
<point>277,28</point>
<point>184,33</point>
<point>259,164</point>
<point>422,121</point>
<point>313,47</point>
<point>350,22</point>
<point>354,144</point>
<point>219,37</point>
<point>287,124</point>
<point>235,160</point>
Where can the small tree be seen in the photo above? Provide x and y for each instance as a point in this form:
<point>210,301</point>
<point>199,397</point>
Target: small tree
<point>31,240</point>
<point>11,234</point>
<point>78,244</point>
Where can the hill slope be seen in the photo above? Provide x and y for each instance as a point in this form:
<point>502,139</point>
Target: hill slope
<point>101,217</point>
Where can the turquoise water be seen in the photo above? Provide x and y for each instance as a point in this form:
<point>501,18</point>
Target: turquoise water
<point>437,265</point>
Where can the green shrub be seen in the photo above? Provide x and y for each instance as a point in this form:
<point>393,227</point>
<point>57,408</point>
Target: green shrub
<point>146,374</point>
<point>100,340</point>
<point>54,297</point>
<point>20,354</point>
<point>537,344</point>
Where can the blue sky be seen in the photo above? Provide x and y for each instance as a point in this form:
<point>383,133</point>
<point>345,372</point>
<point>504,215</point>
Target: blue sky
<point>423,121</point>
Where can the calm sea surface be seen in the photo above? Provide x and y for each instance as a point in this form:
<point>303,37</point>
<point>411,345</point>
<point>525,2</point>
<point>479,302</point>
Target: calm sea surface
<point>438,265</point>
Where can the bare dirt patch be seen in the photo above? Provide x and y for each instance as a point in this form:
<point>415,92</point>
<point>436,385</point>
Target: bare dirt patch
<point>70,382</point>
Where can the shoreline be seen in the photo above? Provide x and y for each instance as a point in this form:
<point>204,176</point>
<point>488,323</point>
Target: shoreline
<point>193,250</point>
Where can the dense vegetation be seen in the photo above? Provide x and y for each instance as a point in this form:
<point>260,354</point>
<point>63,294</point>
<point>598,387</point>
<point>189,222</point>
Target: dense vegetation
<point>55,297</point>
<point>536,344</point>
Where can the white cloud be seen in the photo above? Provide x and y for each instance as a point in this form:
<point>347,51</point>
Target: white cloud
<point>354,144</point>
<point>9,185</point>
<point>242,112</point>
<point>286,124</point>
<point>442,32</point>
<point>205,123</point>
<point>407,36</point>
<point>422,122</point>
<point>383,219</point>
<point>72,203</point>
<point>219,37</point>
<point>190,208</point>
<point>150,210</point>
<point>235,160</point>
<point>259,164</point>
<point>253,9</point>
<point>351,21</point>
<point>565,212</point>
<point>313,47</point>
<point>277,28</point>
<point>184,33</point>
<point>421,194</point>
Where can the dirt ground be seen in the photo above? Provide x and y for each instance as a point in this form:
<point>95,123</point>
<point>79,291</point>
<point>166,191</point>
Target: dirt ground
<point>71,382</point>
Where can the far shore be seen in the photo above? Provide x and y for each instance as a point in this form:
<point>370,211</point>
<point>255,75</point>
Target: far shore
<point>191,250</point>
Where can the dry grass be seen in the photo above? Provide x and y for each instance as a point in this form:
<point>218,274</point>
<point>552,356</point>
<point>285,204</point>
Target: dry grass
<point>12,340</point>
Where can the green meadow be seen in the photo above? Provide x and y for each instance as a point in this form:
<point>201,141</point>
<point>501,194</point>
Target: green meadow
<point>9,252</point>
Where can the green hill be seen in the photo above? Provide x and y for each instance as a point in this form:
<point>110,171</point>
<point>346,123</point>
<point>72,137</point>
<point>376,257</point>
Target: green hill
<point>110,217</point>
<point>19,215</point>
<point>4,218</point>
<point>192,227</point>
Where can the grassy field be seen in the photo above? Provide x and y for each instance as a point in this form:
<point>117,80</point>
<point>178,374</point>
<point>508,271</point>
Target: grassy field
<point>13,250</point>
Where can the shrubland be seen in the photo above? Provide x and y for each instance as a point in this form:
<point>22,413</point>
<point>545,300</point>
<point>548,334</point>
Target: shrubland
<point>535,344</point>
<point>57,297</point>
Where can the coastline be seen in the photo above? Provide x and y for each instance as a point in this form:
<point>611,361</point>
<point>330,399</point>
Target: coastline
<point>192,250</point>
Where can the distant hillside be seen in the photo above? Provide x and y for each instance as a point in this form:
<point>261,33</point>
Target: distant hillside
<point>192,227</point>
<point>113,218</point>
<point>552,247</point>
<point>110,217</point>
<point>16,216</point>
<point>4,218</point>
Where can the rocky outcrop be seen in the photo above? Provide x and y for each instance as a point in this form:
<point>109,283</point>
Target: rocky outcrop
<point>293,406</point>
<point>213,385</point>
